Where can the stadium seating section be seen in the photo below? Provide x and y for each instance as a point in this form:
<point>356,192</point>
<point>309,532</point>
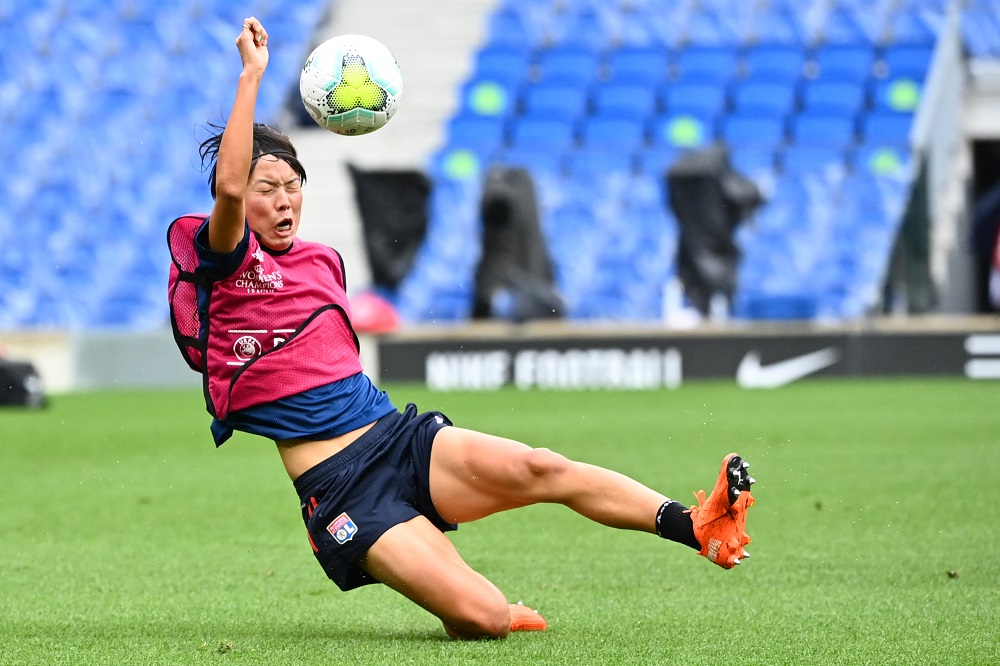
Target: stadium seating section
<point>100,101</point>
<point>814,99</point>
<point>596,97</point>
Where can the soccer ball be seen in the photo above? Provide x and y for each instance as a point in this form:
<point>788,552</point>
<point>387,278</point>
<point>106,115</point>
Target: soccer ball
<point>351,85</point>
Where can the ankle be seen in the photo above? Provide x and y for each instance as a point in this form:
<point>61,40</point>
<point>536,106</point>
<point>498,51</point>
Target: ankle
<point>673,522</point>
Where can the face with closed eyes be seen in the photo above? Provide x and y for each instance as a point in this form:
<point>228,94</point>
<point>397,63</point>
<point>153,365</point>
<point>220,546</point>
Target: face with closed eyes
<point>273,201</point>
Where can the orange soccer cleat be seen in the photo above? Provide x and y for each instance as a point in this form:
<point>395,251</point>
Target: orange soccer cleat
<point>720,519</point>
<point>523,618</point>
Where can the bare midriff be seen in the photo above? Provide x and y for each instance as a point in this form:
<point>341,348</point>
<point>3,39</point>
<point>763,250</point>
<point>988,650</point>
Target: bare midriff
<point>298,455</point>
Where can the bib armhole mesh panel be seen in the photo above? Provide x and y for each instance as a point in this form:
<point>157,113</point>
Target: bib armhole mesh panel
<point>185,319</point>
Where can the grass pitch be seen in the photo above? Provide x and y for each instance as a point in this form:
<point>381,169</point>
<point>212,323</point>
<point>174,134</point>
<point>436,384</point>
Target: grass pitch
<point>127,538</point>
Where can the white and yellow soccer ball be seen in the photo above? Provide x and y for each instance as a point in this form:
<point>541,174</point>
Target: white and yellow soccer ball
<point>351,84</point>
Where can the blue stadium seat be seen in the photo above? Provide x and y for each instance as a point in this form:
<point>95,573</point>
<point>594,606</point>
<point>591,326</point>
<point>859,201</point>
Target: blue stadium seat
<point>844,62</point>
<point>506,65</point>
<point>779,306</point>
<point>571,220</point>
<point>907,61</point>
<point>559,100</point>
<point>654,161</point>
<point>804,14</point>
<point>50,200</point>
<point>710,65</point>
<point>782,213</point>
<point>188,102</point>
<point>777,63</point>
<point>480,134</point>
<point>635,31</point>
<point>584,27</point>
<point>29,106</point>
<point>18,42</point>
<point>536,161</point>
<point>456,163</point>
<point>698,99</point>
<point>78,43</point>
<point>538,14</point>
<point>144,69</point>
<point>881,160</point>
<point>638,65</point>
<point>752,162</point>
<point>667,21</point>
<point>803,159</point>
<point>136,35</point>
<point>682,130</point>
<point>842,26</point>
<point>877,200</point>
<point>710,28</point>
<point>590,164</point>
<point>570,65</point>
<point>901,95</point>
<point>739,131</point>
<point>763,99</point>
<point>509,26</point>
<point>776,25</point>
<point>626,100</point>
<point>610,133</point>
<point>544,134</point>
<point>487,97</point>
<point>823,131</point>
<point>906,26</point>
<point>838,98</point>
<point>886,128</point>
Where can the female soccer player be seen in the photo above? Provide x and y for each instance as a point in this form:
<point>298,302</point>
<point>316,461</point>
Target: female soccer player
<point>378,487</point>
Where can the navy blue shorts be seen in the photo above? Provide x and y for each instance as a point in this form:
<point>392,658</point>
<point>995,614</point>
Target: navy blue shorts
<point>380,480</point>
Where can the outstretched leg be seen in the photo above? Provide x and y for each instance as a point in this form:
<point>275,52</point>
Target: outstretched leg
<point>474,475</point>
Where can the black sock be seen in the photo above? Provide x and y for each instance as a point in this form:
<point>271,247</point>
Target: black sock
<point>673,521</point>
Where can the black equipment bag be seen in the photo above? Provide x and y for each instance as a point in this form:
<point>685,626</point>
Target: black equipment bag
<point>20,384</point>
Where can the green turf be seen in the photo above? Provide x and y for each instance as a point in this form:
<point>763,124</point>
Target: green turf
<point>127,538</point>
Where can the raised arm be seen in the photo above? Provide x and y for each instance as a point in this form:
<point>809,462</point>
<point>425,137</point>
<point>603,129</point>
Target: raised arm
<point>226,224</point>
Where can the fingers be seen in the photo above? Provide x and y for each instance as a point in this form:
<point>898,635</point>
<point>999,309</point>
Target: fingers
<point>256,30</point>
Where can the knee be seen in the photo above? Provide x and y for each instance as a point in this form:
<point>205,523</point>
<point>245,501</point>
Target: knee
<point>482,622</point>
<point>545,464</point>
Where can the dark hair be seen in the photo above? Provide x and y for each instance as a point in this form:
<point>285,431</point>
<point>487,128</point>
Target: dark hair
<point>267,140</point>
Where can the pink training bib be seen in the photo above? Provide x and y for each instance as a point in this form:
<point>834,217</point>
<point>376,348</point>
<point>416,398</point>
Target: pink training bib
<point>278,326</point>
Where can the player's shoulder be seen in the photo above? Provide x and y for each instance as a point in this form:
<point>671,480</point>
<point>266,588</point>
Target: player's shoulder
<point>307,245</point>
<point>314,248</point>
<point>189,222</point>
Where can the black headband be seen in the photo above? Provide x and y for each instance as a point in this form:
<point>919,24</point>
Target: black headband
<point>276,153</point>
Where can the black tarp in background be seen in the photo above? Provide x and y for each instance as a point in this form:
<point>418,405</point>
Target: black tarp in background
<point>20,384</point>
<point>515,268</point>
<point>393,208</point>
<point>709,199</point>
<point>911,260</point>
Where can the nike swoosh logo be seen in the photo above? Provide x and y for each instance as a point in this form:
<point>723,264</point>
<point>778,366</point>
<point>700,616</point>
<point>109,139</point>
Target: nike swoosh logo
<point>751,374</point>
